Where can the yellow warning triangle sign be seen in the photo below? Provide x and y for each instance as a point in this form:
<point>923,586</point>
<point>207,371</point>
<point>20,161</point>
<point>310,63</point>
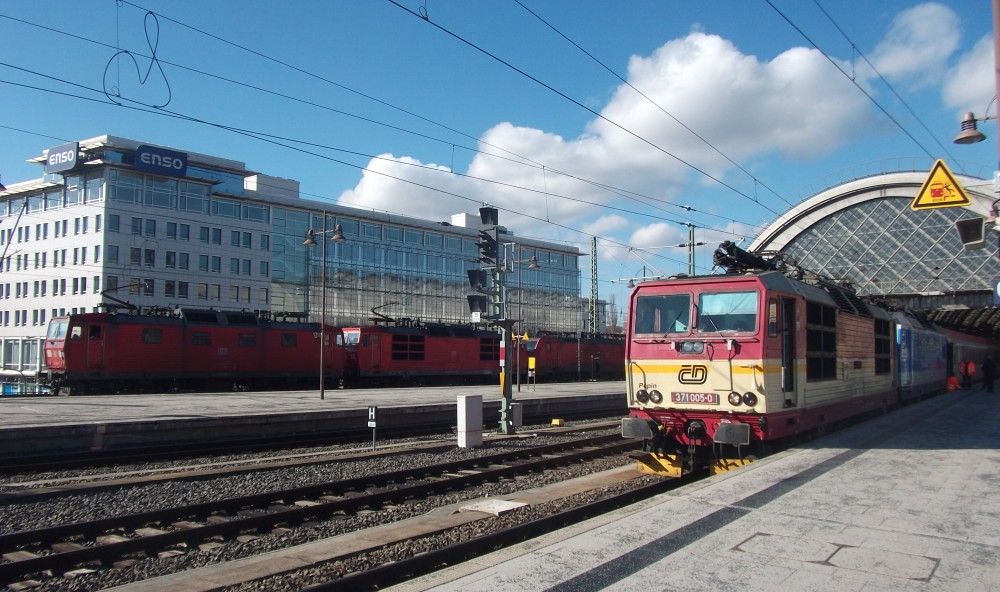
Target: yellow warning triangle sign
<point>940,190</point>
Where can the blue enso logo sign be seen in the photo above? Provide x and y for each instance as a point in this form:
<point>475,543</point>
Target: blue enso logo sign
<point>160,161</point>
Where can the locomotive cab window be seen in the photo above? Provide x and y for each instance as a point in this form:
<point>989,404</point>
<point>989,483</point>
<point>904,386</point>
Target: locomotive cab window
<point>727,312</point>
<point>57,329</point>
<point>662,314</point>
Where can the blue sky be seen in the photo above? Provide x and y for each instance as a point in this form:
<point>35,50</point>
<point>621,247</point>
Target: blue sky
<point>733,110</point>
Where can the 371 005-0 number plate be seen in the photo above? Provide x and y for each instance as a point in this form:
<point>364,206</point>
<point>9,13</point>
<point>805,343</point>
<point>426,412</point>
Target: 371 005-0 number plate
<point>695,398</point>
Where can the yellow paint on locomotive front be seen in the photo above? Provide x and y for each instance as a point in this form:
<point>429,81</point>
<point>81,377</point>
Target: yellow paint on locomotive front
<point>672,465</point>
<point>664,465</point>
<point>699,384</point>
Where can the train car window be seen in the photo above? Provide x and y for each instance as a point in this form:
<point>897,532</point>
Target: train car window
<point>772,317</point>
<point>662,314</point>
<point>247,340</point>
<point>407,347</point>
<point>201,338</point>
<point>821,342</point>
<point>489,348</point>
<point>95,332</point>
<point>729,311</point>
<point>883,346</point>
<point>152,335</point>
<point>289,340</point>
<point>76,332</point>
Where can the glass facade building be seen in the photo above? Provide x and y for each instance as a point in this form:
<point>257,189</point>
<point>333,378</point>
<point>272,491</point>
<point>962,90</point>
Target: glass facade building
<point>116,223</point>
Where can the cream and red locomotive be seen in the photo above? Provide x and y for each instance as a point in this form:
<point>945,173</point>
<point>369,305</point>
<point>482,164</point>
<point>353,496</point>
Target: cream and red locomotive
<point>719,366</point>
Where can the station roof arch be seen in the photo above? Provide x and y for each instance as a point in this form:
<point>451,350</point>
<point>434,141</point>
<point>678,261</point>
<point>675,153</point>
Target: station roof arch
<point>864,233</point>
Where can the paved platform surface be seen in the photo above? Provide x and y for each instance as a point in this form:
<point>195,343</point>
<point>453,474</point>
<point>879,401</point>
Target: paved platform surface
<point>908,501</point>
<point>36,426</point>
<point>17,412</point>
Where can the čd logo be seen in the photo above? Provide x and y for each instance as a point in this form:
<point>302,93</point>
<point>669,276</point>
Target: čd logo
<point>692,374</point>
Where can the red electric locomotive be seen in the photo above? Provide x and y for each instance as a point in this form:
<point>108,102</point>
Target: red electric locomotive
<point>186,350</point>
<point>719,366</point>
<point>569,357</point>
<point>394,351</point>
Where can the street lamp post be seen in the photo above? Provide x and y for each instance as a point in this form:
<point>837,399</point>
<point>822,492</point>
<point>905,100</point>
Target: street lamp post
<point>337,236</point>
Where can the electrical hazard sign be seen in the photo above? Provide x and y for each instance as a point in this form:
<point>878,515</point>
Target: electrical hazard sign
<point>940,190</point>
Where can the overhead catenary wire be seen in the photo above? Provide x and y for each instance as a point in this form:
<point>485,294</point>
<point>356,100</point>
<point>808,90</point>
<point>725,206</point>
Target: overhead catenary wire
<point>520,159</point>
<point>849,77</point>
<point>264,138</point>
<point>654,103</point>
<point>597,114</point>
<point>899,98</point>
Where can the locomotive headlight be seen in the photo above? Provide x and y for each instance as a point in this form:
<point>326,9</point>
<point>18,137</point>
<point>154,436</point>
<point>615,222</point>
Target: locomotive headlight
<point>692,347</point>
<point>750,399</point>
<point>656,397</point>
<point>642,396</point>
<point>735,399</point>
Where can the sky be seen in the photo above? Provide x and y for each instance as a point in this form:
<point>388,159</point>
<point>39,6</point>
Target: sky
<point>631,122</point>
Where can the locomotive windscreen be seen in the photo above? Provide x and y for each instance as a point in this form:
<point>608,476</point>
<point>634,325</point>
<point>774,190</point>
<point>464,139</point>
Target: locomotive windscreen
<point>57,329</point>
<point>662,314</point>
<point>730,311</point>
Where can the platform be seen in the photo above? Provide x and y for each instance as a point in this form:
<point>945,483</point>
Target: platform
<point>46,425</point>
<point>907,501</point>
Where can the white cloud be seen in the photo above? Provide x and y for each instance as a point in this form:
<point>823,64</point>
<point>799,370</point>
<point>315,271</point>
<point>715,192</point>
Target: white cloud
<point>796,105</point>
<point>404,185</point>
<point>918,45</point>
<point>971,82</point>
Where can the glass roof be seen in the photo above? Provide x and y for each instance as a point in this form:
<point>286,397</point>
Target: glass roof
<point>882,247</point>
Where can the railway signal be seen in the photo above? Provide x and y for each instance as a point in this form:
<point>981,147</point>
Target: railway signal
<point>489,304</point>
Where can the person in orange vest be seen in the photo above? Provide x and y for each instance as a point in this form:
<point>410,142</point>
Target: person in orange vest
<point>951,385</point>
<point>967,369</point>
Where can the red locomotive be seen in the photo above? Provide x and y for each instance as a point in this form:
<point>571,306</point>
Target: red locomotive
<point>569,357</point>
<point>396,351</point>
<point>185,349</point>
<point>208,350</point>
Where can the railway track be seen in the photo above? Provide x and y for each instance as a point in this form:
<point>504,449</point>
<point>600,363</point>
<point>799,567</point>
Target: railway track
<point>124,540</point>
<point>42,487</point>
